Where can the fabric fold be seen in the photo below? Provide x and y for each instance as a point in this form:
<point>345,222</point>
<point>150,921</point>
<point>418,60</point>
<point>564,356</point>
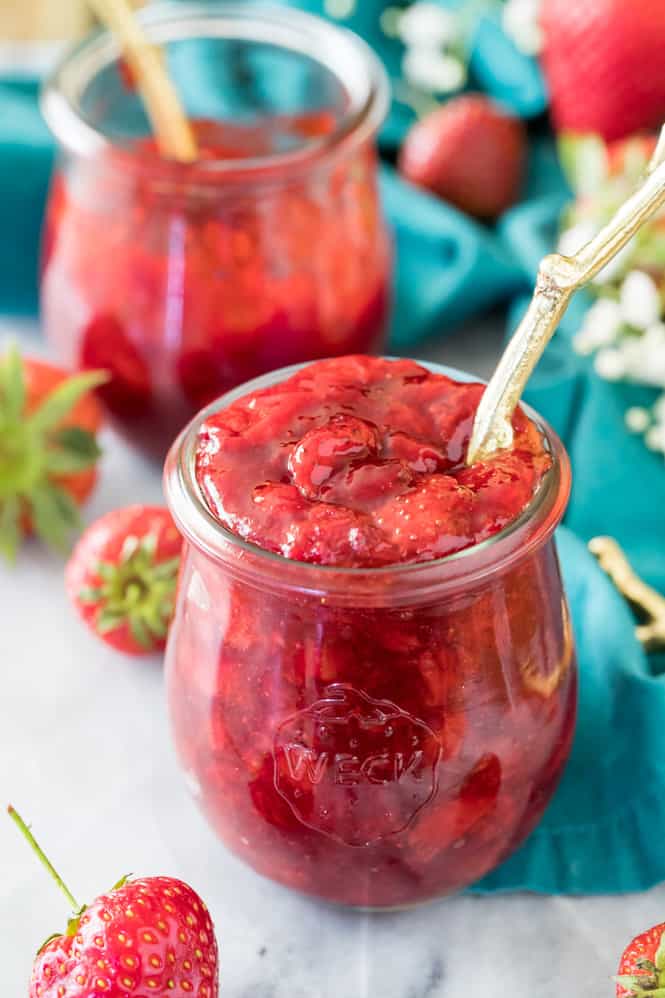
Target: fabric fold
<point>600,833</point>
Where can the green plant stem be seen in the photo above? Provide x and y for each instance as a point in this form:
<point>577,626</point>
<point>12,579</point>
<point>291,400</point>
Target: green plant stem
<point>43,858</point>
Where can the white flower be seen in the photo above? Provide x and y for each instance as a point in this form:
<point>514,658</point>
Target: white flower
<point>644,357</point>
<point>654,337</point>
<point>427,25</point>
<point>639,300</point>
<point>339,8</point>
<point>655,437</point>
<point>521,23</point>
<point>652,371</point>
<point>637,419</point>
<point>433,71</point>
<point>601,326</point>
<point>573,239</point>
<point>610,364</point>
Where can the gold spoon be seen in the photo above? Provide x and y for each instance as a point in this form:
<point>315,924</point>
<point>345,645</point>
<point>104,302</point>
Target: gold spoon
<point>644,598</point>
<point>558,278</point>
<point>174,133</point>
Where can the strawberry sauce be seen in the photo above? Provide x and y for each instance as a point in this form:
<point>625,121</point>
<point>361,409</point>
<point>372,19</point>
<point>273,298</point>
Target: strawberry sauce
<point>184,281</point>
<point>360,717</point>
<point>360,462</point>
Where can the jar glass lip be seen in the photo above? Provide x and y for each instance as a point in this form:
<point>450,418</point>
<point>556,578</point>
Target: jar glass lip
<point>346,56</point>
<point>195,520</point>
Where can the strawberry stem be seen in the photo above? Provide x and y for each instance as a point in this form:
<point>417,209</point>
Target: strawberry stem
<point>43,858</point>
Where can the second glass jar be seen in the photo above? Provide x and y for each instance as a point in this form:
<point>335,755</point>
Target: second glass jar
<point>185,280</point>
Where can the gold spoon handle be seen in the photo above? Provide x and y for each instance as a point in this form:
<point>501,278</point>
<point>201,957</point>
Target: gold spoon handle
<point>558,278</point>
<point>640,595</point>
<point>173,131</point>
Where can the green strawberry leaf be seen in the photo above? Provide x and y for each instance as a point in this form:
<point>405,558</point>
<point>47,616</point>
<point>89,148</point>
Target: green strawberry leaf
<point>76,450</point>
<point>12,384</point>
<point>89,595</point>
<point>149,545</point>
<point>10,531</point>
<point>74,923</point>
<point>583,159</point>
<point>54,515</point>
<point>121,883</point>
<point>56,935</point>
<point>129,547</point>
<point>108,620</point>
<point>76,440</point>
<point>659,958</point>
<point>167,569</point>
<point>64,397</point>
<point>105,570</point>
<point>140,632</point>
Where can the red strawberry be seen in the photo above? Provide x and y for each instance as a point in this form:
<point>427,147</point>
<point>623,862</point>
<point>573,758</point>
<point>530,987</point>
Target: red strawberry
<point>144,937</point>
<point>48,451</point>
<point>122,577</point>
<point>469,152</point>
<point>603,61</point>
<point>642,965</point>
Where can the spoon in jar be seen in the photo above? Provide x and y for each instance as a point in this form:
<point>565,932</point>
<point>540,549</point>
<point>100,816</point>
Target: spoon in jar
<point>173,131</point>
<point>558,278</point>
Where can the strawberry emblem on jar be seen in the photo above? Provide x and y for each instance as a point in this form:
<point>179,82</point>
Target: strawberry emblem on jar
<point>355,768</point>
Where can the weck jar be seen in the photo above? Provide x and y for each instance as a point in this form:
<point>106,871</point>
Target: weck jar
<point>186,280</point>
<point>378,736</point>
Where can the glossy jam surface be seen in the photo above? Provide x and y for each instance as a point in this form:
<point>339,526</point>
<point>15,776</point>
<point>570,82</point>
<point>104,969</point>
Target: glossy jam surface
<point>380,746</point>
<point>359,462</point>
<point>184,282</point>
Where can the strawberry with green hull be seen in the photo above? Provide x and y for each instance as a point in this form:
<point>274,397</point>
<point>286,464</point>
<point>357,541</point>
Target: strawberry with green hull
<point>642,966</point>
<point>122,577</point>
<point>48,449</point>
<point>150,936</point>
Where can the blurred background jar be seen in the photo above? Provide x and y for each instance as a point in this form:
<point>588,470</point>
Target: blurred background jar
<point>184,280</point>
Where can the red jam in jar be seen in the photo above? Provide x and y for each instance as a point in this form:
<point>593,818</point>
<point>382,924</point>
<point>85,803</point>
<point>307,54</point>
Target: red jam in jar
<point>371,670</point>
<point>186,280</point>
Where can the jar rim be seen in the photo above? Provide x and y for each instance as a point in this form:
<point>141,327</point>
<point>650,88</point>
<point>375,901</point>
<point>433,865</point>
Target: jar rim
<point>200,527</point>
<point>339,50</point>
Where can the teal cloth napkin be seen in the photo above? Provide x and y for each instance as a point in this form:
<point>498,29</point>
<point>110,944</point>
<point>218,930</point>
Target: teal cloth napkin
<point>602,833</point>
<point>26,159</point>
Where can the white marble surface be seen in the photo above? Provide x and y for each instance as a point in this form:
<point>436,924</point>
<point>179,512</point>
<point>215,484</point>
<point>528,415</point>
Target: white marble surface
<point>85,754</point>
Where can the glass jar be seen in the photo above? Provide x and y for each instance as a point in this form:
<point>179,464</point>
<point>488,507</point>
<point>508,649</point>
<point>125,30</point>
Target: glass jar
<point>374,737</point>
<point>185,280</point>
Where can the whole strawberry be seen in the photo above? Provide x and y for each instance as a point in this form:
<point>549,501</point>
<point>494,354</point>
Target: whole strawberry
<point>642,965</point>
<point>144,937</point>
<point>48,449</point>
<point>603,61</point>
<point>122,577</point>
<point>470,153</point>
